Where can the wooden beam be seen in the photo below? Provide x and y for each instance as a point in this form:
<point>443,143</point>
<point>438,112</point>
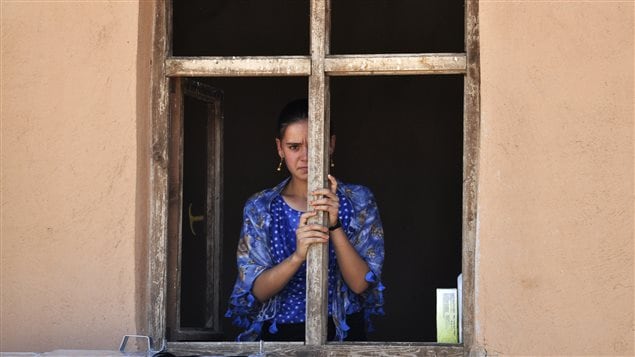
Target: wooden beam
<point>338,65</point>
<point>238,66</point>
<point>157,250</point>
<point>215,190</point>
<point>318,140</point>
<point>471,147</point>
<point>329,349</point>
<point>175,200</point>
<point>395,64</point>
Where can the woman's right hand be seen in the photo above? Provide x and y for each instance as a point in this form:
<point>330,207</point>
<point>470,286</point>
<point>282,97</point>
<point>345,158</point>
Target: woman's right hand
<point>307,234</point>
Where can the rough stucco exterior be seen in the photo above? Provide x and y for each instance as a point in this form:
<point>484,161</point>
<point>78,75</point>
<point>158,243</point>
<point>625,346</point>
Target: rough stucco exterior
<point>555,233</point>
<point>556,203</point>
<point>69,156</point>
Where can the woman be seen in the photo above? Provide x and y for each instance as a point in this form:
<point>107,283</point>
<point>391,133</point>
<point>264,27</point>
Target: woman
<point>268,299</point>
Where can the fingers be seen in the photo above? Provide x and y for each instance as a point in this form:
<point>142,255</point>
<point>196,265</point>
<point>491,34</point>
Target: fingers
<point>304,217</point>
<point>308,241</point>
<point>305,239</point>
<point>311,231</point>
<point>320,236</point>
<point>325,203</point>
<point>312,228</point>
<point>326,200</point>
<point>331,209</point>
<point>312,235</point>
<point>308,234</point>
<point>326,193</point>
<point>329,192</point>
<point>333,183</point>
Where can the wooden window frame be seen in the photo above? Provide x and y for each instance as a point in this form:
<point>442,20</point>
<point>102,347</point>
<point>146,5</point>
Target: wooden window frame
<point>319,66</point>
<point>180,89</point>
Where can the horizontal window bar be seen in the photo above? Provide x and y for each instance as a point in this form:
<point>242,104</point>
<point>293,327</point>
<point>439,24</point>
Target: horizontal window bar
<point>395,64</point>
<point>238,66</point>
<point>330,349</point>
<point>337,65</point>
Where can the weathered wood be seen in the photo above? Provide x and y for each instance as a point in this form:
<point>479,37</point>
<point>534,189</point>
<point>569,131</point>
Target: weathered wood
<point>169,19</point>
<point>202,91</point>
<point>395,64</point>
<point>213,204</point>
<point>337,65</point>
<point>238,66</point>
<point>315,66</point>
<point>329,349</point>
<point>471,148</point>
<point>195,334</point>
<point>317,257</point>
<point>175,202</point>
<point>181,88</point>
<point>157,266</point>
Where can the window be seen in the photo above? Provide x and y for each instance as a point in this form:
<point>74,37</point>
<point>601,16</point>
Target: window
<point>195,187</point>
<point>174,95</point>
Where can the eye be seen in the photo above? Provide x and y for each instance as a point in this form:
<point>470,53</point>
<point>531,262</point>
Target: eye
<point>294,147</point>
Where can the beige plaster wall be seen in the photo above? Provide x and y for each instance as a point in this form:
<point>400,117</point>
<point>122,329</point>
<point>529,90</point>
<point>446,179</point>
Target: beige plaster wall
<point>555,233</point>
<point>68,174</point>
<point>556,217</point>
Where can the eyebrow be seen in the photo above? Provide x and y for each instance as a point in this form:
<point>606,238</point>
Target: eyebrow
<point>292,143</point>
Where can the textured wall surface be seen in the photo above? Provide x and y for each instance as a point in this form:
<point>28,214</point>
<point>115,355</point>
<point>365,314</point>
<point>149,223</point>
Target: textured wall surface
<point>555,232</point>
<point>556,216</point>
<point>68,174</point>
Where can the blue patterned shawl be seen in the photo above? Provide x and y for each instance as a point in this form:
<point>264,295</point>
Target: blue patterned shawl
<point>253,256</point>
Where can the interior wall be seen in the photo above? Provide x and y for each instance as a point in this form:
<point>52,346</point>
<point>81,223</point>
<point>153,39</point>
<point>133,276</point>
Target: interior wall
<point>68,174</point>
<point>555,227</point>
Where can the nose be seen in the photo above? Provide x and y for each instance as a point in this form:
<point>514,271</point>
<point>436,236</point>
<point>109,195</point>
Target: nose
<point>305,153</point>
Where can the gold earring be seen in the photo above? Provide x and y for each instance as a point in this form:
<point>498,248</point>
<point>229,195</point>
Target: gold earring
<point>280,164</point>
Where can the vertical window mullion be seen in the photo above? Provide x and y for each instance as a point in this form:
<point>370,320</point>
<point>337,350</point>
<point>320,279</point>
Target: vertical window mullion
<point>317,257</point>
<point>158,230</point>
<point>471,138</point>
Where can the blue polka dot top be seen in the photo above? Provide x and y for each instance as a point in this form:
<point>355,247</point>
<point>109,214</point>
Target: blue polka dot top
<point>291,308</point>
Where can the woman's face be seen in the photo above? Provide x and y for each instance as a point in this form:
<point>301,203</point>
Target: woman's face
<point>293,147</point>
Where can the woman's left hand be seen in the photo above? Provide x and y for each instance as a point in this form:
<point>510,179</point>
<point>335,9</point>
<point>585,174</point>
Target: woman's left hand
<point>329,202</point>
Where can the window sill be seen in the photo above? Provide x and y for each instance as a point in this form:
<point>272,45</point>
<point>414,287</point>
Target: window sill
<point>330,349</point>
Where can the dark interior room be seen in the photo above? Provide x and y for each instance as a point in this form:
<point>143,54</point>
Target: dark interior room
<point>401,136</point>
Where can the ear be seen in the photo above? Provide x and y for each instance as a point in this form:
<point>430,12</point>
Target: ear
<point>279,147</point>
<point>332,145</point>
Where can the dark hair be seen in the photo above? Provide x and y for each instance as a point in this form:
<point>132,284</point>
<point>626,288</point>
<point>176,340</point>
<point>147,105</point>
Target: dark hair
<point>295,111</point>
